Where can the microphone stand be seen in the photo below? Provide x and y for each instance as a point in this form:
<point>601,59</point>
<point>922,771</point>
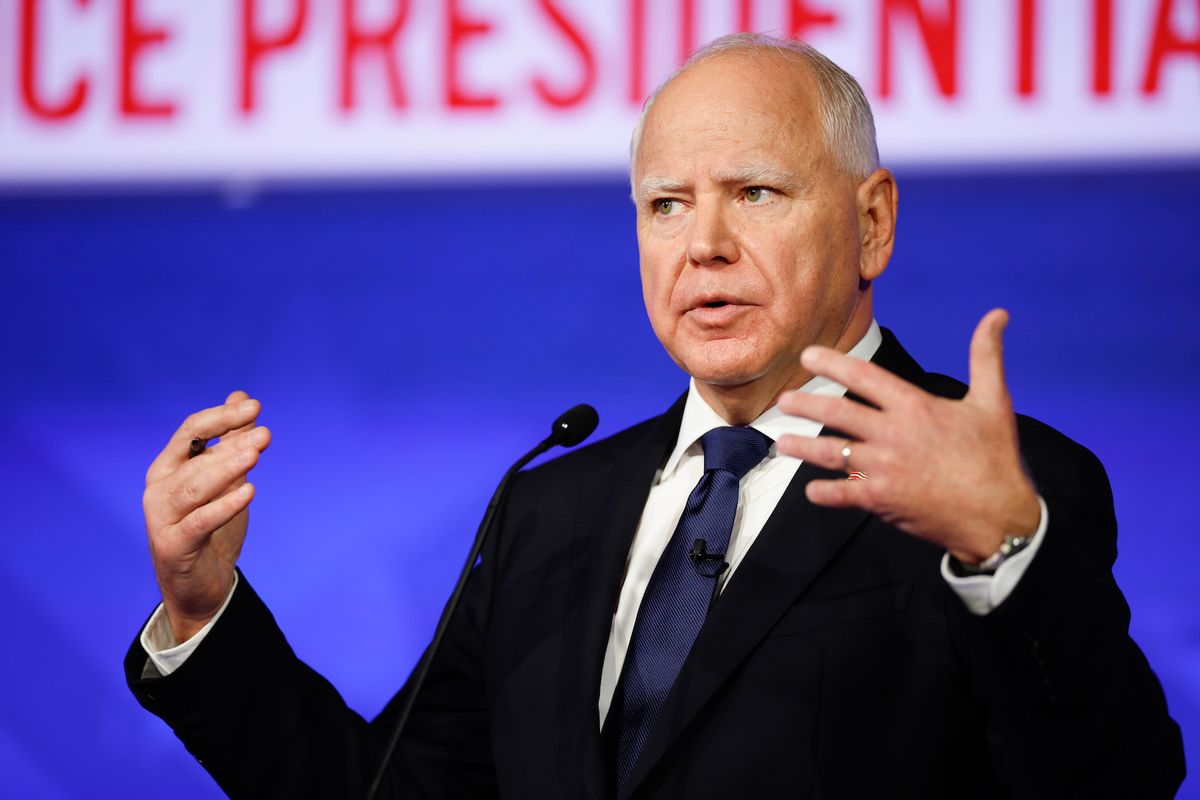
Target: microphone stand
<point>575,425</point>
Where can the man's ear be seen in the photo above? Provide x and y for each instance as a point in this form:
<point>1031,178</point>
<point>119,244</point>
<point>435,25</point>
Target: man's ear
<point>877,198</point>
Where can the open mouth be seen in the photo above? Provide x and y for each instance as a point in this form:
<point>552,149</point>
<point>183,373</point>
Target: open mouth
<point>716,313</point>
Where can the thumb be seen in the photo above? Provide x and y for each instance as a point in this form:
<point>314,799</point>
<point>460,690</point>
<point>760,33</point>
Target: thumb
<point>987,360</point>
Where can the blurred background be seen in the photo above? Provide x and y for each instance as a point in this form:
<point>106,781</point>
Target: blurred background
<point>404,225</point>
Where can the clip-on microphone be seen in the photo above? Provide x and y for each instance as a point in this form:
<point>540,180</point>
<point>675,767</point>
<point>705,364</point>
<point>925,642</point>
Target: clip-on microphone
<point>710,565</point>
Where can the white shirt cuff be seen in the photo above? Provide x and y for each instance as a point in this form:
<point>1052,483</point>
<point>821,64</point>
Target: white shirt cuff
<point>158,640</point>
<point>983,593</point>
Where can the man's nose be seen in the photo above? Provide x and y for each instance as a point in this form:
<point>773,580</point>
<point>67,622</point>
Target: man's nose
<point>711,240</point>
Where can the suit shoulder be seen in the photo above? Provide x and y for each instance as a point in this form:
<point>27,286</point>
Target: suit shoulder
<point>542,497</point>
<point>579,463</point>
<point>1034,434</point>
<point>944,386</point>
<point>1055,460</point>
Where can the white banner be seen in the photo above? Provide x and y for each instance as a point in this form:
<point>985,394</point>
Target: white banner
<point>250,89</point>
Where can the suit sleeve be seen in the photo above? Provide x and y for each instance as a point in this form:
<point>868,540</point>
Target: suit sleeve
<point>1074,707</point>
<point>265,725</point>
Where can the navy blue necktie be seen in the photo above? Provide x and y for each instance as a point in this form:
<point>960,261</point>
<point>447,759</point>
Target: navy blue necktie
<point>682,588</point>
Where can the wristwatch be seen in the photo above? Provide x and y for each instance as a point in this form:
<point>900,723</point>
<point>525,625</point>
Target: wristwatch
<point>1008,548</point>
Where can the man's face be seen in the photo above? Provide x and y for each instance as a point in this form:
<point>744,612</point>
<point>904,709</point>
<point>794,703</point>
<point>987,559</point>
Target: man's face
<point>748,232</point>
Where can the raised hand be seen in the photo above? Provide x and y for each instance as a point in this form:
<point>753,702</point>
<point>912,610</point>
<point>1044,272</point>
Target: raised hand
<point>948,471</point>
<point>197,509</point>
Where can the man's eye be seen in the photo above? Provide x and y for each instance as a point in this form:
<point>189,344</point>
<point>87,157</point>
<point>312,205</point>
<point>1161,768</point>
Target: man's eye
<point>665,206</point>
<point>757,194</point>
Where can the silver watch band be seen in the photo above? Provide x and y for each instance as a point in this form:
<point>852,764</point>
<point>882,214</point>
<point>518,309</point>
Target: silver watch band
<point>1008,548</point>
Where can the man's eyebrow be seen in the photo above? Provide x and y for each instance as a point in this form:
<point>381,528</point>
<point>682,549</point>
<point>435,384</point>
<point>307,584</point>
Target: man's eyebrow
<point>757,173</point>
<point>654,185</point>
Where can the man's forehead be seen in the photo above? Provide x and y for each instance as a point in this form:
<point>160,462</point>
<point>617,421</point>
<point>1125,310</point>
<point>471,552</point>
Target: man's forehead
<point>764,83</point>
<point>739,108</point>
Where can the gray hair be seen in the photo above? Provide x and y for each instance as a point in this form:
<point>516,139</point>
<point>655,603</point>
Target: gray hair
<point>846,119</point>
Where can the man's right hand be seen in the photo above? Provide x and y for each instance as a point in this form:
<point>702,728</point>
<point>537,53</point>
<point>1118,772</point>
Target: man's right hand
<point>197,509</point>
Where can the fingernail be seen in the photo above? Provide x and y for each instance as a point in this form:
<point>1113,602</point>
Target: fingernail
<point>246,405</point>
<point>260,436</point>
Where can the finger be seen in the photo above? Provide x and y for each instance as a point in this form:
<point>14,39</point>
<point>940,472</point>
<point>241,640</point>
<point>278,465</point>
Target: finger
<point>838,493</point>
<point>987,360</point>
<point>869,381</point>
<point>854,419</point>
<point>203,521</point>
<point>234,398</point>
<point>826,451</point>
<point>206,424</point>
<point>257,436</point>
<point>198,483</point>
<point>213,422</point>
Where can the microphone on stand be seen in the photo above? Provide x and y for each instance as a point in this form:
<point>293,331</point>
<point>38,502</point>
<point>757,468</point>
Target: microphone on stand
<point>572,427</point>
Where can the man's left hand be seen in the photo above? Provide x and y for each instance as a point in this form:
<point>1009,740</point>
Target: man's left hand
<point>948,471</point>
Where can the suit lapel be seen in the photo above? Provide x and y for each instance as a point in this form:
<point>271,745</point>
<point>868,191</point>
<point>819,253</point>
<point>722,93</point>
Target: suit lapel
<point>796,544</point>
<point>610,507</point>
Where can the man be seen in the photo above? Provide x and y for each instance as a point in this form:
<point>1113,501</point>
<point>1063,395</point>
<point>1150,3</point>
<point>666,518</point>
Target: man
<point>921,607</point>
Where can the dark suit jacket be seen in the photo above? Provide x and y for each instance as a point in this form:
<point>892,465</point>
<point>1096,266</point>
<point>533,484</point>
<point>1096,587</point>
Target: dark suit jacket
<point>836,664</point>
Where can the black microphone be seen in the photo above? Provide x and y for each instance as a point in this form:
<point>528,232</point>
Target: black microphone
<point>699,553</point>
<point>572,427</point>
<point>706,564</point>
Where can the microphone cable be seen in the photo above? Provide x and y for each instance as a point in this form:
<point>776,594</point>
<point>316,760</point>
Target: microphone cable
<point>572,427</point>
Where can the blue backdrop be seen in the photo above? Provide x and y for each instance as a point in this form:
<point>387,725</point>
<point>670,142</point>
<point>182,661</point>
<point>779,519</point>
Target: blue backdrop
<point>409,341</point>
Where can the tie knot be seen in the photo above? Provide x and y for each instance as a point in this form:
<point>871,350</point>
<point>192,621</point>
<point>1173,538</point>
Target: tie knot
<point>734,450</point>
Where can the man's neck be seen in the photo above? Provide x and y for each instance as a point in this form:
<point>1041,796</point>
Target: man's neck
<point>741,405</point>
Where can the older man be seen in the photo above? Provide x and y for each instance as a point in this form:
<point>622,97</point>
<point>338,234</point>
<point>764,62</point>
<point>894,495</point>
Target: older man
<point>918,604</point>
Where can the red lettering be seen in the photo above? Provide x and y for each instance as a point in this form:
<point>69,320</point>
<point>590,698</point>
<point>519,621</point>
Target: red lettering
<point>458,30</point>
<point>1167,43</point>
<point>35,103</point>
<point>801,18</point>
<point>587,62</point>
<point>939,33</point>
<point>746,16</point>
<point>135,39</point>
<point>355,41</point>
<point>1102,46</point>
<point>256,46</point>
<point>687,28</point>
<point>637,46</point>
<point>1026,45</point>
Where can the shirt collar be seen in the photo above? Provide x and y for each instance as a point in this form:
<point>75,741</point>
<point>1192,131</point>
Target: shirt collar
<point>699,417</point>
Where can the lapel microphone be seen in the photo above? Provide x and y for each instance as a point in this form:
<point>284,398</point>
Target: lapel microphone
<point>572,427</point>
<point>700,555</point>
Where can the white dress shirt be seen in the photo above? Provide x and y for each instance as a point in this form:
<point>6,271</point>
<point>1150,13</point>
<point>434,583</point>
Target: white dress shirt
<point>761,489</point>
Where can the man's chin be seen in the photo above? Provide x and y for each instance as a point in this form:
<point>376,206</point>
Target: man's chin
<point>724,370</point>
<point>728,362</point>
<point>727,376</point>
<point>736,376</point>
<point>725,380</point>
